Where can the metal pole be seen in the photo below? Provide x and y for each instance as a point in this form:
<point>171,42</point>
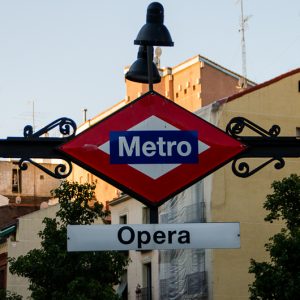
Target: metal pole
<point>153,215</point>
<point>149,64</point>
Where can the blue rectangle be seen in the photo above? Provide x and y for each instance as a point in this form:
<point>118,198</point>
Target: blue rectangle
<point>154,147</point>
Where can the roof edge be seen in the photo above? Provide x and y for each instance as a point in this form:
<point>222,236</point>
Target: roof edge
<point>261,85</point>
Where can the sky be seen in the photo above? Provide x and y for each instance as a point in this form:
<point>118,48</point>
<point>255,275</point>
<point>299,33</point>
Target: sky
<point>59,57</point>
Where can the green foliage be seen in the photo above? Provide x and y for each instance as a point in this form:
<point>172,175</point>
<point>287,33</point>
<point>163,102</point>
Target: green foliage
<point>7,295</point>
<point>53,272</point>
<point>279,279</point>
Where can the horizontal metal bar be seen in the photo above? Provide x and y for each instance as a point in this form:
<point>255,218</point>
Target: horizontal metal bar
<point>19,147</point>
<point>16,147</point>
<point>270,146</point>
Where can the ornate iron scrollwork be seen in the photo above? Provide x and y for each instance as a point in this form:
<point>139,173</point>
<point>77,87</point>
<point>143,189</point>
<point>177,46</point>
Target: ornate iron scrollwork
<point>238,124</point>
<point>61,171</point>
<point>67,127</point>
<point>242,169</point>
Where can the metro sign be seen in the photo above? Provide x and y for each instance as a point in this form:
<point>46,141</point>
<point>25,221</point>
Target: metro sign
<point>152,149</point>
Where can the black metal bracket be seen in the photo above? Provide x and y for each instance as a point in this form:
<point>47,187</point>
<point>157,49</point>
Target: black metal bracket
<point>35,145</point>
<point>267,145</point>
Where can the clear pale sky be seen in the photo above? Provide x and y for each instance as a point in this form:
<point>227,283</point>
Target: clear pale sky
<point>67,55</point>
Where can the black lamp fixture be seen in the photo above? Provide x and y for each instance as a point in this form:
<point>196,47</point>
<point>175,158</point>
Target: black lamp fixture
<point>153,33</point>
<point>138,71</point>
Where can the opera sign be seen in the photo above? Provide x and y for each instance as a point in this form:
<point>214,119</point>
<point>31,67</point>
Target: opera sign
<point>152,149</point>
<point>153,236</point>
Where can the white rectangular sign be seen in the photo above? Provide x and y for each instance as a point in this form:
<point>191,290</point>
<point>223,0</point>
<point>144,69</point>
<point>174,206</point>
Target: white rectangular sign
<point>153,236</point>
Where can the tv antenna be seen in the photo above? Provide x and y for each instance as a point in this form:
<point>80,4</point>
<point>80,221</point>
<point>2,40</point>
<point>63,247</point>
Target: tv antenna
<point>157,56</point>
<point>244,20</point>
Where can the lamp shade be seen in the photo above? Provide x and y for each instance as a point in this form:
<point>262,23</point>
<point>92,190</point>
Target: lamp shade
<point>138,71</point>
<point>154,32</point>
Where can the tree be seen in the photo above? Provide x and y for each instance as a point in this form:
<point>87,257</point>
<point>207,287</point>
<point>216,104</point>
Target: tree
<point>280,278</point>
<point>7,295</point>
<point>53,272</point>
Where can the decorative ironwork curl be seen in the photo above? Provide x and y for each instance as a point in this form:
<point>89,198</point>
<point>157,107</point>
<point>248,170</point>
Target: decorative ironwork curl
<point>242,169</point>
<point>66,127</point>
<point>237,125</point>
<point>61,171</point>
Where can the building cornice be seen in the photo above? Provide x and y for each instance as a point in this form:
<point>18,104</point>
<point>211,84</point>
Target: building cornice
<point>121,199</point>
<point>259,86</point>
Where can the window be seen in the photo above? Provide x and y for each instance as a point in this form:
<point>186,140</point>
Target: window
<point>3,270</point>
<point>41,177</point>
<point>147,282</point>
<point>2,279</point>
<point>298,132</point>
<point>164,288</point>
<point>197,284</point>
<point>146,215</point>
<point>16,181</point>
<point>185,91</point>
<point>123,219</point>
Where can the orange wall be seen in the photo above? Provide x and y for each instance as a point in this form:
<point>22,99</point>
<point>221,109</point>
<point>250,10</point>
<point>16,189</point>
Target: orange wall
<point>216,85</point>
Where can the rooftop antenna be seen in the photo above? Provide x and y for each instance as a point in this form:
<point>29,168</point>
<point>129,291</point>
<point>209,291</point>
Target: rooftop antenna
<point>157,56</point>
<point>33,116</point>
<point>244,20</point>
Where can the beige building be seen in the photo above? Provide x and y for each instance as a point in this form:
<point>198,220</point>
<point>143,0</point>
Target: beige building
<point>25,239</point>
<point>221,197</point>
<point>30,187</point>
<point>21,193</point>
<point>237,199</point>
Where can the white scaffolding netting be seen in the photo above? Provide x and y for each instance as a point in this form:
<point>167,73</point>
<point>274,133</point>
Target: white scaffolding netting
<point>183,272</point>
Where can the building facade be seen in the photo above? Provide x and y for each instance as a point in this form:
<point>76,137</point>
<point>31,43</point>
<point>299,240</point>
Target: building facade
<point>214,274</point>
<point>239,199</point>
<point>224,197</point>
<point>194,84</point>
<point>22,193</point>
<point>30,187</point>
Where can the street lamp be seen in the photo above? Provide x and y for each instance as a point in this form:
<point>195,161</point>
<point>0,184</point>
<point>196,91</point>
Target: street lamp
<point>263,144</point>
<point>153,33</point>
<point>138,71</point>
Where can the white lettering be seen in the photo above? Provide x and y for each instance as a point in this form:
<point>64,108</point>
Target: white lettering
<point>135,145</point>
<point>188,149</point>
<point>149,149</point>
<point>170,146</point>
<point>161,144</point>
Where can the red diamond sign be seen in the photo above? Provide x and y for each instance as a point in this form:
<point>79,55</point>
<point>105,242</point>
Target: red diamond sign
<point>152,149</point>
